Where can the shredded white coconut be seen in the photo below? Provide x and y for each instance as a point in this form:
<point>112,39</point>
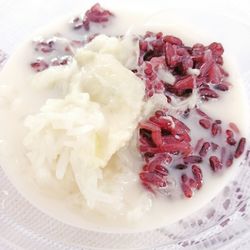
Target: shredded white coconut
<point>80,132</point>
<point>125,50</point>
<point>191,71</point>
<point>166,76</point>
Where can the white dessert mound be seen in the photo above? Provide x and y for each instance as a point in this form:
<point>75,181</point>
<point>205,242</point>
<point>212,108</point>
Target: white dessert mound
<point>72,139</point>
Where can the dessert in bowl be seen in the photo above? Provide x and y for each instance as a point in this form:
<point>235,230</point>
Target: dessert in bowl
<point>110,125</point>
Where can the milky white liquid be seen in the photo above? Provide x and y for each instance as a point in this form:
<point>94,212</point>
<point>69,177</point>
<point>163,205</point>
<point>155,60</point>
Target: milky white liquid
<point>22,100</point>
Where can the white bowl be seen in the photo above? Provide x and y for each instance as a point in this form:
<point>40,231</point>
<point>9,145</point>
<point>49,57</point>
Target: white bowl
<point>223,221</point>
